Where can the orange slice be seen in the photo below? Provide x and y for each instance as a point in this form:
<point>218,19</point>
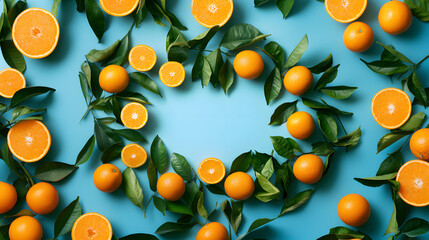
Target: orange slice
<point>414,179</point>
<point>35,32</point>
<point>133,155</point>
<point>142,58</point>
<point>119,8</point>
<point>92,226</point>
<point>345,11</point>
<point>391,108</point>
<point>172,74</point>
<point>29,140</point>
<point>211,170</point>
<point>210,13</point>
<point>11,80</point>
<point>134,115</point>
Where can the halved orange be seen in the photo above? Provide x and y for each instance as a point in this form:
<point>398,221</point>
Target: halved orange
<point>119,8</point>
<point>142,58</point>
<point>391,108</point>
<point>92,226</point>
<point>11,80</point>
<point>29,140</point>
<point>414,179</point>
<point>35,32</point>
<point>134,115</point>
<point>172,74</point>
<point>211,170</point>
<point>345,11</point>
<point>133,155</point>
<point>210,13</point>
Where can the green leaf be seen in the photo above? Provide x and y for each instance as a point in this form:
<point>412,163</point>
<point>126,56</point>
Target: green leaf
<point>283,112</point>
<point>414,123</point>
<point>112,152</point>
<point>23,212</point>
<point>121,54</point>
<point>21,187</point>
<point>23,110</point>
<point>273,85</point>
<point>242,163</point>
<point>387,67</point>
<point>133,96</point>
<point>152,175</point>
<point>216,62</point>
<point>103,138</point>
<point>172,227</point>
<point>181,166</point>
<point>198,66</point>
<point>285,6</point>
<point>233,213</point>
<point>318,106</point>
<point>297,53</point>
<point>94,71</point>
<point>132,187</point>
<point>139,236</point>
<point>200,207</point>
<point>377,180</point>
<point>328,125</point>
<point>55,5</point>
<point>130,134</point>
<point>140,16</point>
<point>95,18</point>
<point>415,227</point>
<point>86,152</point>
<point>80,5</point>
<point>53,171</point>
<point>160,204</point>
<point>15,10</point>
<point>201,41</point>
<point>268,169</point>
<point>271,191</point>
<point>321,149</point>
<point>396,53</point>
<point>259,160</point>
<point>177,45</point>
<point>327,77</point>
<point>255,225</point>
<point>241,35</point>
<point>416,88</point>
<point>179,207</point>
<point>12,56</point>
<point>67,217</point>
<point>324,65</point>
<point>419,9</point>
<point>275,52</point>
<point>99,55</point>
<point>391,164</point>
<point>260,2</point>
<point>145,81</point>
<point>389,139</point>
<point>226,76</point>
<point>350,140</point>
<point>158,154</point>
<point>13,165</point>
<point>338,92</point>
<point>296,201</point>
<point>206,72</point>
<point>285,147</point>
<point>84,86</point>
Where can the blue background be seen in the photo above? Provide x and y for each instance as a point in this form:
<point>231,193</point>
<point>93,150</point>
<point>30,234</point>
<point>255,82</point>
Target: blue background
<point>200,123</point>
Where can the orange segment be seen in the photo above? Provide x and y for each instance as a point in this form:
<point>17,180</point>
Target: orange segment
<point>172,74</point>
<point>133,155</point>
<point>29,140</point>
<point>210,13</point>
<point>35,32</point>
<point>142,58</point>
<point>119,8</point>
<point>134,115</point>
<point>11,80</point>
<point>211,170</point>
<point>391,108</point>
<point>92,226</point>
<point>345,11</point>
<point>414,179</point>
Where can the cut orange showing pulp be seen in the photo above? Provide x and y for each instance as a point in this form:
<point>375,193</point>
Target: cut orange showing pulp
<point>35,32</point>
<point>414,179</point>
<point>210,13</point>
<point>92,226</point>
<point>142,58</point>
<point>172,74</point>
<point>391,108</point>
<point>119,8</point>
<point>211,170</point>
<point>133,155</point>
<point>345,11</point>
<point>134,115</point>
<point>29,140</point>
<point>11,80</point>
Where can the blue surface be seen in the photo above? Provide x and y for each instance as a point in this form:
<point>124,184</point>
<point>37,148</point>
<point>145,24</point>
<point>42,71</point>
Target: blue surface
<point>200,123</point>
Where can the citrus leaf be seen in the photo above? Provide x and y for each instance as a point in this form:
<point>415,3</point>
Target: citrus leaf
<point>226,76</point>
<point>321,149</point>
<point>23,212</point>
<point>296,201</point>
<point>133,96</point>
<point>324,65</point>
<point>396,53</point>
<point>120,55</point>
<point>12,56</point>
<point>181,166</point>
<point>273,85</point>
<point>414,123</point>
<point>285,6</point>
<point>324,107</point>
<point>328,76</point>
<point>389,139</point>
<point>416,88</point>
<point>283,112</point>
<point>112,152</point>
<point>172,227</point>
<point>241,35</point>
<point>132,187</point>
<point>95,18</point>
<point>130,134</point>
<point>215,189</point>
<point>415,227</point>
<point>145,81</point>
<point>200,207</point>
<point>27,93</point>
<point>377,180</point>
<point>23,110</point>
<point>338,92</point>
<point>94,71</point>
<point>67,217</point>
<point>158,154</point>
<point>328,125</point>
<point>99,55</point>
<point>201,41</point>
<point>160,204</point>
<point>285,147</point>
<point>350,140</point>
<point>152,175</point>
<point>86,152</point>
<point>53,171</point>
<point>242,163</point>
<point>139,236</point>
<point>275,52</point>
<point>55,5</point>
<point>391,164</point>
<point>297,53</point>
<point>419,9</point>
<point>387,67</point>
<point>178,207</point>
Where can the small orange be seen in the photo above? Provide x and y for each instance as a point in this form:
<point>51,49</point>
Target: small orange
<point>171,186</point>
<point>42,198</point>
<point>134,115</point>
<point>308,168</point>
<point>210,13</point>
<point>300,125</point>
<point>358,37</point>
<point>354,210</point>
<point>92,226</point>
<point>11,80</point>
<point>172,74</point>
<point>391,108</point>
<point>345,11</point>
<point>211,170</point>
<point>107,178</point>
<point>25,227</point>
<point>133,155</point>
<point>213,231</point>
<point>142,58</point>
<point>413,177</point>
<point>419,144</point>
<point>119,8</point>
<point>113,79</point>
<point>248,64</point>
<point>395,17</point>
<point>298,80</point>
<point>8,197</point>
<point>239,186</point>
<point>29,140</point>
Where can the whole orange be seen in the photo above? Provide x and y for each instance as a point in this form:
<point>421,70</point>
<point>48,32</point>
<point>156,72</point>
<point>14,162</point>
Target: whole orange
<point>419,144</point>
<point>239,186</point>
<point>113,79</point>
<point>354,210</point>
<point>308,168</point>
<point>8,197</point>
<point>171,186</point>
<point>42,198</point>
<point>358,37</point>
<point>395,17</point>
<point>107,178</point>
<point>248,64</point>
<point>27,228</point>
<point>300,125</point>
<point>213,231</point>
<point>298,80</point>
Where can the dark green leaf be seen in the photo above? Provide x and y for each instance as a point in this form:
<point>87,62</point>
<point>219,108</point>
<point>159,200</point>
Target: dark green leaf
<point>215,189</point>
<point>172,227</point>
<point>377,180</point>
<point>387,67</point>
<point>181,166</point>
<point>112,152</point>
<point>152,175</point>
<point>132,187</point>
<point>339,92</point>
<point>328,125</point>
<point>95,18</point>
<point>285,6</point>
<point>396,53</point>
<point>416,88</point>
<point>324,65</point>
<point>260,2</point>
<point>27,93</point>
<point>139,236</point>
<point>84,86</point>
<point>321,149</point>
<point>12,56</point>
<point>23,212</point>
<point>201,41</point>
<point>226,76</point>
<point>94,83</point>
<point>273,85</point>
<point>17,8</point>
<point>391,164</point>
<point>285,147</point>
<point>419,8</point>
<point>275,52</point>
<point>297,53</point>
<point>121,54</point>
<point>158,154</point>
<point>160,204</point>
<point>200,207</point>
<point>389,139</point>
<point>318,106</point>
<point>296,201</point>
<point>198,66</point>
<point>259,223</point>
<point>270,191</point>
<point>178,207</point>
<point>259,160</point>
<point>414,123</point>
<point>242,163</point>
<point>53,171</point>
<point>350,140</point>
<point>327,77</point>
<point>283,112</point>
<point>86,152</point>
<point>80,5</point>
<point>206,72</point>
<point>145,81</point>
<point>133,96</point>
<point>415,227</point>
<point>23,110</point>
<point>130,134</point>
<point>67,217</point>
<point>216,62</point>
<point>241,35</point>
<point>99,55</point>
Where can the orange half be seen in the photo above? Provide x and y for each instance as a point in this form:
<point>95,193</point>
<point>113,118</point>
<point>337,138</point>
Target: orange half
<point>142,58</point>
<point>92,226</point>
<point>345,11</point>
<point>391,108</point>
<point>133,155</point>
<point>11,80</point>
<point>414,179</point>
<point>134,115</point>
<point>211,170</point>
<point>210,13</point>
<point>172,74</point>
<point>119,8</point>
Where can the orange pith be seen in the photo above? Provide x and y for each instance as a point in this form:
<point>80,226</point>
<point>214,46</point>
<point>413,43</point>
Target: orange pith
<point>345,11</point>
<point>172,74</point>
<point>29,140</point>
<point>134,115</point>
<point>211,170</point>
<point>391,108</point>
<point>142,58</point>
<point>414,179</point>
<point>133,155</point>
<point>119,8</point>
<point>35,32</point>
<point>11,80</point>
<point>210,13</point>
<point>92,226</point>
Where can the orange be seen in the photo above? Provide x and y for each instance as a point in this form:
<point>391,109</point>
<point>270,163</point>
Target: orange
<point>419,144</point>
<point>213,231</point>
<point>107,178</point>
<point>358,37</point>
<point>172,74</point>
<point>239,186</point>
<point>354,210</point>
<point>395,17</point>
<point>35,32</point>
<point>308,168</point>
<point>11,80</point>
<point>210,13</point>
<point>113,79</point>
<point>133,155</point>
<point>413,177</point>
<point>171,186</point>
<point>300,125</point>
<point>248,64</point>
<point>92,226</point>
<point>42,198</point>
<point>391,108</point>
<point>345,11</point>
<point>134,115</point>
<point>25,227</point>
<point>119,8</point>
<point>298,80</point>
<point>211,170</point>
<point>8,197</point>
<point>142,58</point>
<point>29,140</point>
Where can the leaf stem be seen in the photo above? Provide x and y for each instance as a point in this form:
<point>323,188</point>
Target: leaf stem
<point>27,175</point>
<point>341,123</point>
<point>147,204</point>
<point>421,61</point>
